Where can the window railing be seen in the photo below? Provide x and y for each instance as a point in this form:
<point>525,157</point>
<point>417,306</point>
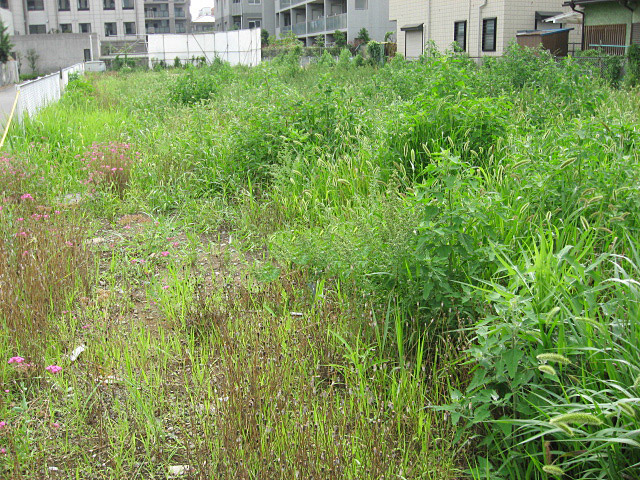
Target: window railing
<point>336,22</point>
<point>300,28</point>
<point>156,14</point>
<point>317,25</point>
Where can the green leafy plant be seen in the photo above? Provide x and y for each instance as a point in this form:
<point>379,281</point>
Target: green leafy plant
<point>5,44</point>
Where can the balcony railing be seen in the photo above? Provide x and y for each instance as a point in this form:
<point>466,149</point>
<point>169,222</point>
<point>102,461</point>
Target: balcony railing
<point>300,28</point>
<point>157,14</point>
<point>285,28</point>
<point>336,22</point>
<point>181,15</point>
<point>317,25</point>
<point>285,4</point>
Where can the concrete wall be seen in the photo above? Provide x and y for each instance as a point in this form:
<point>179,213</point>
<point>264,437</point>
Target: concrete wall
<point>375,19</point>
<point>439,17</point>
<point>55,51</point>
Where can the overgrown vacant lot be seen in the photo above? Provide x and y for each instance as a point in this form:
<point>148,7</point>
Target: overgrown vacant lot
<point>426,270</point>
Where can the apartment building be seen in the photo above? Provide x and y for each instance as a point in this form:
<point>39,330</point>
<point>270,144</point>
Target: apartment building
<point>204,22</point>
<point>310,20</point>
<point>240,14</point>
<point>167,16</point>
<point>479,27</point>
<point>110,19</point>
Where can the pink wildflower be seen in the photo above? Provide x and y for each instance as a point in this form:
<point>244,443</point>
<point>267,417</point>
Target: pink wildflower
<point>55,425</point>
<point>26,196</point>
<point>175,244</point>
<point>53,369</point>
<point>165,287</point>
<point>164,254</point>
<point>85,327</point>
<point>68,243</point>
<point>16,360</point>
<point>3,451</point>
<point>3,425</point>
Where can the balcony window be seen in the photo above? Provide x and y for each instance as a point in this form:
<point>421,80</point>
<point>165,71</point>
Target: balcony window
<point>4,4</point>
<point>236,1</point>
<point>64,5</point>
<point>179,12</point>
<point>254,23</point>
<point>129,28</point>
<point>85,28</point>
<point>108,4</point>
<point>181,28</point>
<point>83,4</point>
<point>65,28</point>
<point>35,5</point>
<point>35,29</point>
<point>489,34</point>
<point>127,4</point>
<point>110,29</point>
<point>460,35</point>
<point>254,2</point>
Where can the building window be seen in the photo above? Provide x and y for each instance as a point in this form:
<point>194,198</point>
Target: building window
<point>87,54</point>
<point>4,4</point>
<point>489,34</point>
<point>34,29</point>
<point>110,29</point>
<point>85,28</point>
<point>180,27</point>
<point>362,4</point>
<point>65,28</point>
<point>254,2</point>
<point>64,5</point>
<point>127,4</point>
<point>108,4</point>
<point>254,23</point>
<point>179,12</point>
<point>460,35</point>
<point>236,1</point>
<point>129,28</point>
<point>35,5</point>
<point>83,4</point>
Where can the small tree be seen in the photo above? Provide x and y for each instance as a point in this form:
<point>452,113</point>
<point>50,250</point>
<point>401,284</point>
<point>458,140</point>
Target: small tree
<point>32,59</point>
<point>5,44</point>
<point>264,36</point>
<point>363,35</point>
<point>340,39</point>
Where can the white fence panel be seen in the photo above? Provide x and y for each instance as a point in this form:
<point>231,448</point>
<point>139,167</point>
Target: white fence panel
<point>37,94</point>
<point>239,47</point>
<point>66,72</point>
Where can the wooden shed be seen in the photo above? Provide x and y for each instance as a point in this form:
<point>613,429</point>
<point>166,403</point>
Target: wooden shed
<point>556,41</point>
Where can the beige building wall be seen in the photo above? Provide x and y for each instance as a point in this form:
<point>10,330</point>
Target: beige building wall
<point>439,17</point>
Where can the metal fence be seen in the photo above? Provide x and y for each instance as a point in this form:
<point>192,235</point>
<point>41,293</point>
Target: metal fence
<point>34,95</point>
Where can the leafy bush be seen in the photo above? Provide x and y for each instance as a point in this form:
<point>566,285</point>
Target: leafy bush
<point>199,83</point>
<point>633,72</point>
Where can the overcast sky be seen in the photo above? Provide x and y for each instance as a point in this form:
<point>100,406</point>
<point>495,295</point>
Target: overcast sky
<point>196,5</point>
